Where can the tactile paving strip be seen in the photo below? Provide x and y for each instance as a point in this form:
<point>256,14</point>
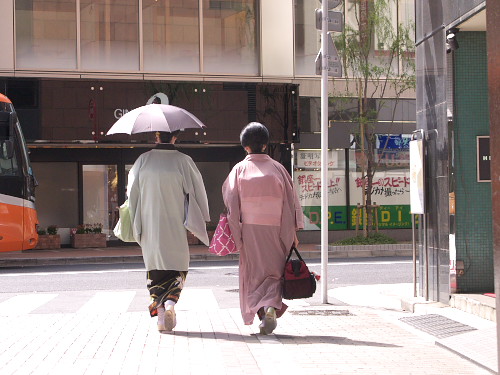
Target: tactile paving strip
<point>437,325</point>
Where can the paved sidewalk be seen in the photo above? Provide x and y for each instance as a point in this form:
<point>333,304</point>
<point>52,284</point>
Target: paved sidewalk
<point>367,336</point>
<point>321,339</point>
<point>468,335</point>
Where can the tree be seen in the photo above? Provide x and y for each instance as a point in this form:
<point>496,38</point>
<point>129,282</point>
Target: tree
<point>377,53</point>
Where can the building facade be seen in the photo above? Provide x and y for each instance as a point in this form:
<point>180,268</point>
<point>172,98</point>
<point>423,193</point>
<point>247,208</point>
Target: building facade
<point>452,109</point>
<point>73,67</point>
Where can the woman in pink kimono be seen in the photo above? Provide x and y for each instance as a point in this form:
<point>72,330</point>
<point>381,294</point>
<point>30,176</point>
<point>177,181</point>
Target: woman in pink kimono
<point>264,214</point>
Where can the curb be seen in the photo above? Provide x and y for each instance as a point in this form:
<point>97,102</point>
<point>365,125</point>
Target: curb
<point>314,254</point>
<point>20,262</point>
<point>481,306</point>
<point>357,251</point>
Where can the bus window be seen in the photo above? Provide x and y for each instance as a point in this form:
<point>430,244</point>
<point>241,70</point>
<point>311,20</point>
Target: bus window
<point>8,166</point>
<point>6,107</point>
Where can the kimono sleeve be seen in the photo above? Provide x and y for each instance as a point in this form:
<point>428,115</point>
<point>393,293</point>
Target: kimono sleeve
<point>292,218</point>
<point>231,196</point>
<point>297,208</point>
<point>197,211</point>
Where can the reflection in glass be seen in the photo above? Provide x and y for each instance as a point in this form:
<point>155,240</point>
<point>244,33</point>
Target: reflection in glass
<point>230,36</point>
<point>100,196</point>
<point>109,34</point>
<point>128,167</point>
<point>171,35</point>
<point>46,34</point>
<point>307,38</point>
<point>381,20</point>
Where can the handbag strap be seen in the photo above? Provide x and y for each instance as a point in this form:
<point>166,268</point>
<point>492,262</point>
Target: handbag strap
<point>296,252</point>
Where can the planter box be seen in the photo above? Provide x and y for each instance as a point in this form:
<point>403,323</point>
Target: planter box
<point>88,240</point>
<point>48,241</point>
<point>192,239</point>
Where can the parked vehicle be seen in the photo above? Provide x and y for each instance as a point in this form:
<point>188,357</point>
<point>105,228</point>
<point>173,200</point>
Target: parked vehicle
<point>18,217</point>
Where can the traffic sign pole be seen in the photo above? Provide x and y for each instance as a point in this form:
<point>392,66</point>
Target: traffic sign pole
<point>324,153</point>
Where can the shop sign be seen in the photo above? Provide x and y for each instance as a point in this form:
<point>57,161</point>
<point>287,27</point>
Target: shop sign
<point>312,159</point>
<point>417,187</point>
<point>390,191</point>
<point>119,112</point>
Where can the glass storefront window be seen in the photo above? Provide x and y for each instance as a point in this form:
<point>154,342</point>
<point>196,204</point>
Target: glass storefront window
<point>230,41</point>
<point>109,35</point>
<point>171,36</point>
<point>57,194</point>
<point>100,196</point>
<point>45,34</point>
<point>307,38</point>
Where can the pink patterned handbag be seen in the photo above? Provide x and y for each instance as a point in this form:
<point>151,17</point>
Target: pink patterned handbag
<point>222,242</point>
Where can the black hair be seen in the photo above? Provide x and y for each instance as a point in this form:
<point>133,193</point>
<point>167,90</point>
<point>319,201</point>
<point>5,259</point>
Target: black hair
<point>254,135</point>
<point>166,137</point>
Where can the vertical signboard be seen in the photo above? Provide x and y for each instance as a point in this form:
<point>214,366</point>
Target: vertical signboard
<point>483,159</point>
<point>417,187</point>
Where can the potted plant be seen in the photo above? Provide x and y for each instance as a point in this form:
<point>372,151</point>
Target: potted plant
<point>88,235</point>
<point>48,239</point>
<point>193,240</point>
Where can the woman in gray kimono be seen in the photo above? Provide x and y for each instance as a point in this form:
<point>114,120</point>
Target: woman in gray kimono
<point>166,197</point>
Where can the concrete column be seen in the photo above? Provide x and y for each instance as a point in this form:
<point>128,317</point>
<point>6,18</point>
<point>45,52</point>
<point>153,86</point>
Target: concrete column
<point>493,46</point>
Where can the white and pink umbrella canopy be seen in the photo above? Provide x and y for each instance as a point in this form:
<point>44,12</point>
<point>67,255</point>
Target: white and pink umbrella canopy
<point>155,118</point>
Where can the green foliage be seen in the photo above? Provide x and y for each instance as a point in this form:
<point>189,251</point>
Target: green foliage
<point>52,229</point>
<point>372,239</point>
<point>89,228</point>
<point>41,231</point>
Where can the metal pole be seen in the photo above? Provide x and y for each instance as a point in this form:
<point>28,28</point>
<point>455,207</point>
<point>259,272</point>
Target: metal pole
<point>426,252</point>
<point>414,248</point>
<point>324,153</point>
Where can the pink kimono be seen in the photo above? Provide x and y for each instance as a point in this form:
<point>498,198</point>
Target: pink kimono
<point>263,212</point>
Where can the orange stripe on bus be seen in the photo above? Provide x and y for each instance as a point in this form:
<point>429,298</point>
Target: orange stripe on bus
<point>17,228</point>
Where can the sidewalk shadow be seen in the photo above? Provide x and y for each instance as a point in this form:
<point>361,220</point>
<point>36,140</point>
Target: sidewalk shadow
<point>284,339</point>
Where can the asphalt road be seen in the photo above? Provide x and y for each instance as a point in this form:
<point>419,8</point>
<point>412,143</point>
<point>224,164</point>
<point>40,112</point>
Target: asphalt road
<point>221,277</point>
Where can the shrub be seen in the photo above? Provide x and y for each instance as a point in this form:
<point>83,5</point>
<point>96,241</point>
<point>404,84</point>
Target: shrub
<point>372,239</point>
<point>52,229</point>
<point>80,229</point>
<point>95,228</point>
<point>88,228</point>
<point>41,231</point>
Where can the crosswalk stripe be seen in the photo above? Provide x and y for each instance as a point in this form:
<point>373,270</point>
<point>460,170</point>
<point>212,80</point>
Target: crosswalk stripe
<point>197,299</point>
<point>24,304</point>
<point>116,302</point>
<point>296,303</point>
<point>192,299</point>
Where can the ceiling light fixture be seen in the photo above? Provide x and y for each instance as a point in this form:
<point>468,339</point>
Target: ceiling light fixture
<point>451,39</point>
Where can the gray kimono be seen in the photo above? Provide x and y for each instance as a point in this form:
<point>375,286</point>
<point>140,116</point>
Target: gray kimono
<point>166,197</point>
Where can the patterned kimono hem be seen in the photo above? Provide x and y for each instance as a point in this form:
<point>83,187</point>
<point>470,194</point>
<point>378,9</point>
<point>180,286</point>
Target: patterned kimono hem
<point>163,286</point>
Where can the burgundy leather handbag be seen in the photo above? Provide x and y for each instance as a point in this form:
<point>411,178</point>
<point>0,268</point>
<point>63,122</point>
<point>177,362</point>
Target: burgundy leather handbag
<point>298,281</point>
